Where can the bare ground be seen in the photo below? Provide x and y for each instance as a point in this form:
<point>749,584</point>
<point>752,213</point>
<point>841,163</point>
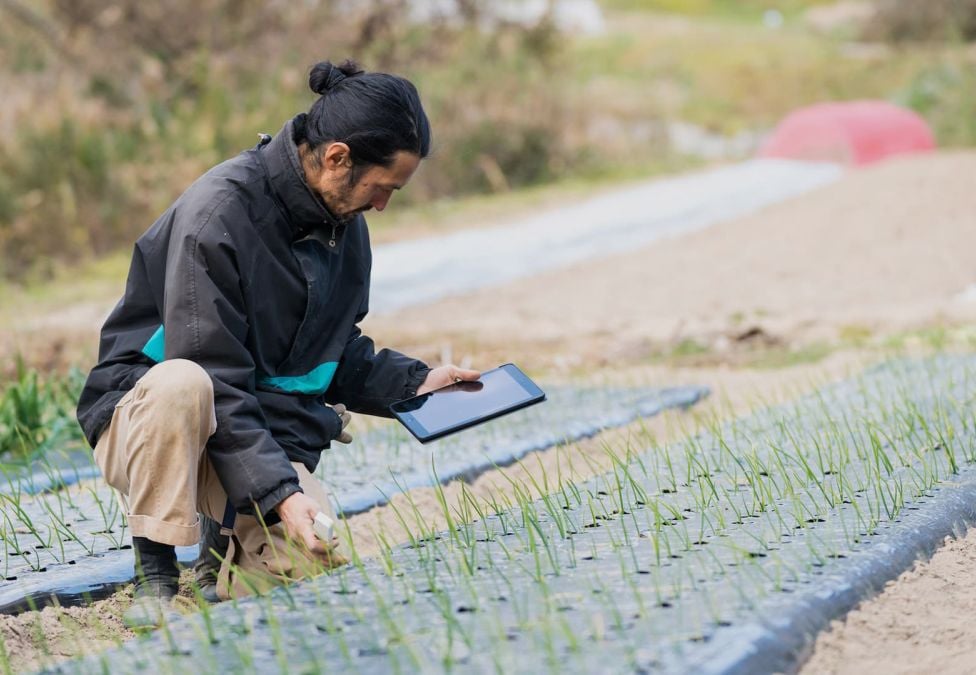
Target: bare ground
<point>887,250</point>
<point>57,633</point>
<point>921,623</point>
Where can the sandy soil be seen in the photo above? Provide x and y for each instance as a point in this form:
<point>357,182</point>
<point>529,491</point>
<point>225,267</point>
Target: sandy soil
<point>34,640</point>
<point>921,623</point>
<point>887,249</point>
<point>56,633</point>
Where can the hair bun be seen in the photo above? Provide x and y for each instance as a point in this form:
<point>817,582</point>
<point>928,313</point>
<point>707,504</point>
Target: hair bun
<point>326,75</point>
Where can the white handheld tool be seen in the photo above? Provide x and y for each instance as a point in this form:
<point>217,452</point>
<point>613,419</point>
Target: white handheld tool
<point>323,526</point>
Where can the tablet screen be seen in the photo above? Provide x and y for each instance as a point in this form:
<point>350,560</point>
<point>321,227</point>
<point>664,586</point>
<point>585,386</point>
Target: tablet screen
<point>464,403</point>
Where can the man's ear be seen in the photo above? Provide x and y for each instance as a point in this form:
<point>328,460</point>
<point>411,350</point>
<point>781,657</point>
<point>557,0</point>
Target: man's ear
<point>336,157</point>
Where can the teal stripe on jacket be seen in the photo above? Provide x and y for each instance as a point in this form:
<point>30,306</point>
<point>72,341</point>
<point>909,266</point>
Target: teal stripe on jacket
<point>315,382</point>
<point>154,347</point>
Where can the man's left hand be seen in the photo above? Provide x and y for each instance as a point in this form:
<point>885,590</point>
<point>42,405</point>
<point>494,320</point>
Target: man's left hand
<point>345,417</point>
<point>445,375</point>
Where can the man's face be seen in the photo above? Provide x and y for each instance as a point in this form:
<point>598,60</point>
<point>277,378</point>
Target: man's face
<point>349,191</point>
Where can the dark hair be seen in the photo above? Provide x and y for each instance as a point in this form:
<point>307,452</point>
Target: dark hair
<point>375,114</point>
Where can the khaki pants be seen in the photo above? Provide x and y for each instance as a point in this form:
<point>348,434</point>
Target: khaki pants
<point>154,453</point>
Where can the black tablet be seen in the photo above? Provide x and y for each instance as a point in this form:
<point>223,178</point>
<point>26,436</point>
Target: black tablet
<point>465,404</point>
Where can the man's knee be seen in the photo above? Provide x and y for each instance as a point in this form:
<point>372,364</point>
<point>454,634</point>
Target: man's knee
<point>177,383</point>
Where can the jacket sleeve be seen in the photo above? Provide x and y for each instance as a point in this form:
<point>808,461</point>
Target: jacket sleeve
<point>367,381</point>
<point>205,322</point>
<point>120,359</point>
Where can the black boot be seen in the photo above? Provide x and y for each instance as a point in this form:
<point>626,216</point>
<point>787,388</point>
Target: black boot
<point>207,566</point>
<point>157,582</point>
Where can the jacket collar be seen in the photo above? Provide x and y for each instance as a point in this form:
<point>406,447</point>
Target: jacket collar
<point>306,211</point>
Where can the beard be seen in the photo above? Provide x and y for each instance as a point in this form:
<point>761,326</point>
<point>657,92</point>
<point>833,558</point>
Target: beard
<point>337,204</point>
<point>348,217</point>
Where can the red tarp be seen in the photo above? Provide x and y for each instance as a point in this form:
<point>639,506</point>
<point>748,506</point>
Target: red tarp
<point>857,133</point>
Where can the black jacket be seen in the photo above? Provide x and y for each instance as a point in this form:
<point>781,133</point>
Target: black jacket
<point>248,275</point>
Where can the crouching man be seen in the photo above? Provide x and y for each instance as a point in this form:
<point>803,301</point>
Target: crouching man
<point>230,362</point>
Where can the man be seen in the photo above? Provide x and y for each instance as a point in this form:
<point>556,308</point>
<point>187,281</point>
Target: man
<point>239,324</point>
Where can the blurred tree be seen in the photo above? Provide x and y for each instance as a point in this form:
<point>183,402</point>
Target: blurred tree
<point>122,103</point>
<point>171,29</point>
<point>36,21</point>
<point>904,20</point>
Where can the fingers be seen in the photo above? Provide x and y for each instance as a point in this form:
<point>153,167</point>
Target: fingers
<point>298,513</point>
<point>313,543</point>
<point>445,375</point>
<point>464,374</point>
<point>346,417</point>
<point>322,549</point>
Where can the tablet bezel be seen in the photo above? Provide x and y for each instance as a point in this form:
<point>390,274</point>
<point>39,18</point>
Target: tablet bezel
<point>422,434</point>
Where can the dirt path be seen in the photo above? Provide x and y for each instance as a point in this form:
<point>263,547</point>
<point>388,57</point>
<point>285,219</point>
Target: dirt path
<point>886,249</point>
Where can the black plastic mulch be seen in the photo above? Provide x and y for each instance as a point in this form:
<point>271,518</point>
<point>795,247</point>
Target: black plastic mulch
<point>65,538</point>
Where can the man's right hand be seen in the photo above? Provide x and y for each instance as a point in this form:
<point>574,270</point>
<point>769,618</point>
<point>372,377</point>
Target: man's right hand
<point>297,512</point>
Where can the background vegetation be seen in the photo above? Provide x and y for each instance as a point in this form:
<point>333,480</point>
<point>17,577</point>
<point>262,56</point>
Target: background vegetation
<point>111,107</point>
<point>37,413</point>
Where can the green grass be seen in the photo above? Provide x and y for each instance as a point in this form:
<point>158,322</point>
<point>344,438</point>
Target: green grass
<point>935,338</point>
<point>690,352</point>
<point>788,357</point>
<point>731,9</point>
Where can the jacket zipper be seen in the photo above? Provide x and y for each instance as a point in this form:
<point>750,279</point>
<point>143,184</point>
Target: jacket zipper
<point>332,239</point>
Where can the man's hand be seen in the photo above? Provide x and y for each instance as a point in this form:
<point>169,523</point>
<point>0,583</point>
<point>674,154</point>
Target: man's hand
<point>346,417</point>
<point>445,375</point>
<point>297,512</point>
